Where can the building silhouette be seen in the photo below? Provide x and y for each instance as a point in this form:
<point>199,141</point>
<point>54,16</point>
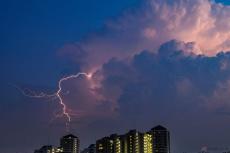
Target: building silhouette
<point>156,140</point>
<point>105,145</point>
<point>70,144</point>
<point>161,139</point>
<point>134,141</point>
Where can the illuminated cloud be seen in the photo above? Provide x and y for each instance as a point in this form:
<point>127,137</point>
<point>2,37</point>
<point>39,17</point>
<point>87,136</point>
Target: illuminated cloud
<point>149,81</point>
<point>130,63</point>
<point>202,22</point>
<point>146,70</point>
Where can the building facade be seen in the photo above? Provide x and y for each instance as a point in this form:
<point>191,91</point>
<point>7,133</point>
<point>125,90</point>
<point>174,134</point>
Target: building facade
<point>70,144</point>
<point>147,143</point>
<point>161,139</point>
<point>134,142</point>
<point>157,140</point>
<point>105,145</point>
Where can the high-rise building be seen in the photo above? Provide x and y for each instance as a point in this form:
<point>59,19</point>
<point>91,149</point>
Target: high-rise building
<point>147,143</point>
<point>123,144</point>
<point>131,142</point>
<point>161,139</point>
<point>116,139</point>
<point>104,145</point>
<point>70,144</point>
<point>134,142</point>
<point>156,140</point>
<point>110,144</point>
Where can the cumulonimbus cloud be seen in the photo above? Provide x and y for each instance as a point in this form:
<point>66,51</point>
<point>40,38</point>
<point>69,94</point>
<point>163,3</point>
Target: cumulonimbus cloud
<point>173,76</point>
<point>163,61</point>
<point>202,22</point>
<point>202,30</point>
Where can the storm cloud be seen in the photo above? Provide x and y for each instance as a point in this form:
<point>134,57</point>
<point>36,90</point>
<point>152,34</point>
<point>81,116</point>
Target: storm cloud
<point>166,86</point>
<point>163,62</point>
<point>168,77</point>
<point>155,22</point>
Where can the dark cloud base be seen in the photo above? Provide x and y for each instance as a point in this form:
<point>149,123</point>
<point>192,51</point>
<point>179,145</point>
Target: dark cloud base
<point>187,92</point>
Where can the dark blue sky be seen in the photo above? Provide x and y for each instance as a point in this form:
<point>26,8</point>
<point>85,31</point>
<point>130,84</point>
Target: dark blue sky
<point>31,33</point>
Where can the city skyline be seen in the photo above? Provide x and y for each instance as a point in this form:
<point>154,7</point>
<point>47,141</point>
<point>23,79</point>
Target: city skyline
<point>93,68</point>
<point>155,140</point>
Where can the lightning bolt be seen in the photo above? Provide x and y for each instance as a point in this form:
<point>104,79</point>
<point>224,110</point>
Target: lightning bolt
<point>57,94</point>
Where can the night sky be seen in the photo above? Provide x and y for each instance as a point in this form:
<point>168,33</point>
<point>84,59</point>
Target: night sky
<point>152,62</point>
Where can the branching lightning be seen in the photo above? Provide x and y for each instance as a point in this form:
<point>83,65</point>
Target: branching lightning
<point>32,94</point>
<point>57,94</point>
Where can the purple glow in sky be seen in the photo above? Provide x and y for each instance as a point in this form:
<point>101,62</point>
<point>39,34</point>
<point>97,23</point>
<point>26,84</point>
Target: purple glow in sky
<point>151,62</point>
